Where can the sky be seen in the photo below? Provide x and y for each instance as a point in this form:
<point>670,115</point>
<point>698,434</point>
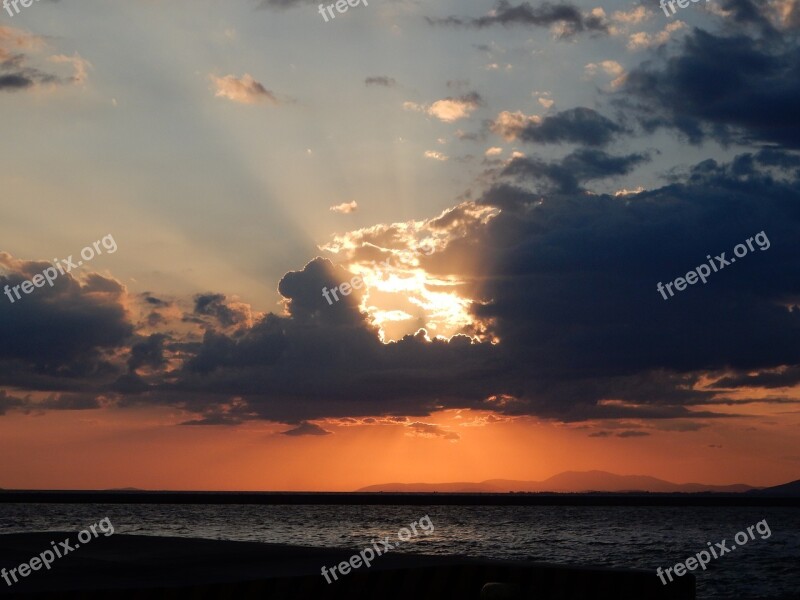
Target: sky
<point>514,188</point>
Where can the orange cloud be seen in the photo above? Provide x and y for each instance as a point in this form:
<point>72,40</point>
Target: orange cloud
<point>345,207</point>
<point>244,90</point>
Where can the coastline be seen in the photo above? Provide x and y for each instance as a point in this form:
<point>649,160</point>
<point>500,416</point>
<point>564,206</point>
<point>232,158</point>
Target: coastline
<point>137,566</point>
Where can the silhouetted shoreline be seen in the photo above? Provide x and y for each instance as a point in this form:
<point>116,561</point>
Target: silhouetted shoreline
<point>137,567</point>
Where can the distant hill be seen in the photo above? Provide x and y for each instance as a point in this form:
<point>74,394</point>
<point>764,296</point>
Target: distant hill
<point>567,482</point>
<point>791,490</point>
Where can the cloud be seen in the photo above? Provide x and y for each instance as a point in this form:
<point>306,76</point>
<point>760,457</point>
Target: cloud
<point>729,88</point>
<point>22,63</point>
<point>568,175</point>
<point>577,125</point>
<point>776,378</point>
<point>148,353</point>
<point>80,66</point>
<point>15,81</point>
<point>429,430</point>
<point>380,80</point>
<point>630,434</point>
<point>784,14</point>
<point>345,207</point>
<point>567,20</point>
<point>493,151</point>
<point>642,39</point>
<point>551,298</point>
<point>509,125</point>
<point>449,109</point>
<point>681,426</point>
<point>229,412</point>
<point>435,155</point>
<point>61,337</point>
<point>610,67</point>
<point>633,16</point>
<point>14,42</point>
<point>556,282</point>
<point>221,311</point>
<point>243,90</point>
<point>306,428</point>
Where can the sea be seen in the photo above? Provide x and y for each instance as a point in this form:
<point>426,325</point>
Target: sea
<point>624,537</point>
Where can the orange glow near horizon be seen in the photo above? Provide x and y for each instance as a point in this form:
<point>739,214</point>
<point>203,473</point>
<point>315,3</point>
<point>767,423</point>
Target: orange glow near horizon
<point>84,450</point>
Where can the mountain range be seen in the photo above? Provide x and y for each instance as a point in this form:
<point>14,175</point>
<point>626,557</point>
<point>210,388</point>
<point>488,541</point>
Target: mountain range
<point>571,482</point>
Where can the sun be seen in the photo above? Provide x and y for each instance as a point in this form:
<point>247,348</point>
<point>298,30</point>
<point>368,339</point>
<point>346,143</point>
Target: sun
<point>401,298</point>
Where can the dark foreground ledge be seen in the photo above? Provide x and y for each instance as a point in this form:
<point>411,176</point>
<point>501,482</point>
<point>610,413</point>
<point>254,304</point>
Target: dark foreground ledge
<point>133,567</point>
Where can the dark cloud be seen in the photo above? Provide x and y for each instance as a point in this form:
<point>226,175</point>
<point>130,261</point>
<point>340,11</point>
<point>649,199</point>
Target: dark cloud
<point>216,306</point>
<point>630,434</point>
<point>226,412</point>
<point>149,353</point>
<point>58,401</point>
<point>380,80</point>
<point>567,16</point>
<point>568,174</point>
<point>60,329</point>
<point>306,428</point>
<point>472,98</point>
<point>14,78</point>
<point>749,12</point>
<point>61,339</point>
<point>71,402</point>
<point>730,88</point>
<point>306,301</point>
<point>150,299</point>
<point>578,125</point>
<point>431,431</point>
<point>468,136</point>
<point>15,81</point>
<point>682,426</point>
<point>786,377</point>
<point>590,267</point>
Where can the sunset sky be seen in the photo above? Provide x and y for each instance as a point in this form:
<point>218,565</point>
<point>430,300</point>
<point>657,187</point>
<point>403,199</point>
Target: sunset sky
<point>511,181</point>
